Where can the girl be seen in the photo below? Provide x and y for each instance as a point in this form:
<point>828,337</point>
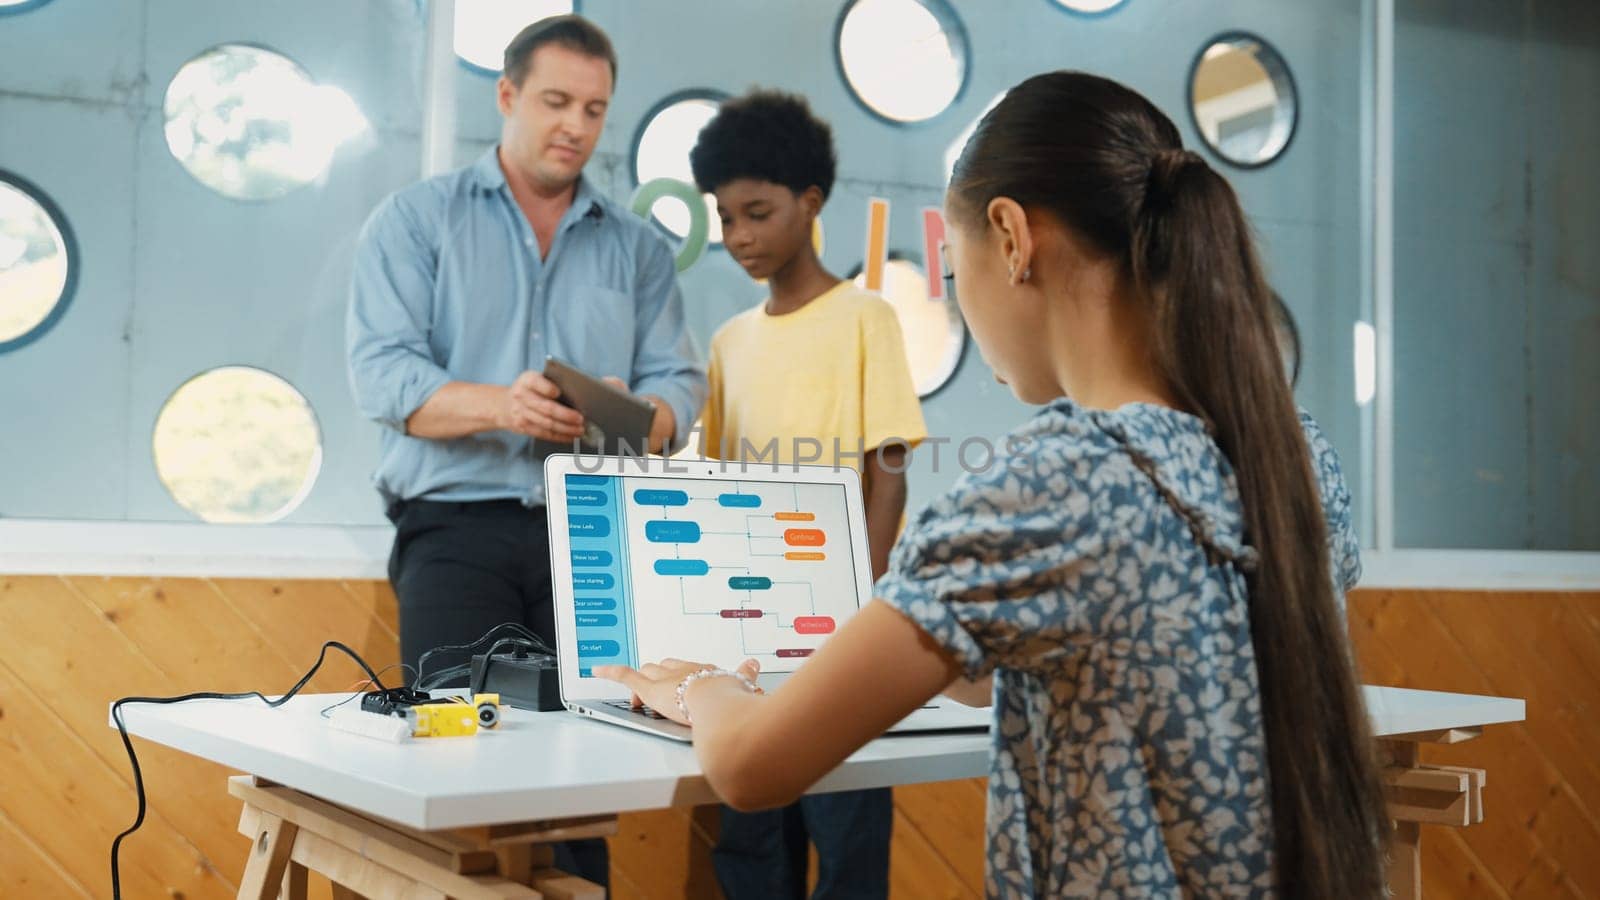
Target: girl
<point>1147,579</point>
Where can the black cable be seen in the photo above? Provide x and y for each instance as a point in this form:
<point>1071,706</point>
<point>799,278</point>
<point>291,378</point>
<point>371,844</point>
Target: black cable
<point>518,643</point>
<point>381,672</point>
<point>527,645</point>
<point>439,678</point>
<point>133,758</point>
<point>516,627</point>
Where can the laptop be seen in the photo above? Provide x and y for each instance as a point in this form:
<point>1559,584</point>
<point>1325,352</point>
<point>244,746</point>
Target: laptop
<point>705,560</point>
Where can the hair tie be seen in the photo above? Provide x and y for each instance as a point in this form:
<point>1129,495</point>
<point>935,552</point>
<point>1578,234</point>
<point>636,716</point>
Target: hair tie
<point>1166,165</point>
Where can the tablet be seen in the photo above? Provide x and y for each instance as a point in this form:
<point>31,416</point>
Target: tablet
<point>616,422</point>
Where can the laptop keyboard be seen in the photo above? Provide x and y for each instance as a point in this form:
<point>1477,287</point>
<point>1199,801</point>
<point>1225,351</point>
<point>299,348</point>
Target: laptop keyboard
<point>628,707</point>
<point>649,713</point>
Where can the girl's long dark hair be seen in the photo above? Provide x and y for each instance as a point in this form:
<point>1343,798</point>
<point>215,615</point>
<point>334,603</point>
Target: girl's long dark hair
<point>1111,166</point>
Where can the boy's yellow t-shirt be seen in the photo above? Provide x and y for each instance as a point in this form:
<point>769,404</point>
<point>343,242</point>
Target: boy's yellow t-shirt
<point>833,369</point>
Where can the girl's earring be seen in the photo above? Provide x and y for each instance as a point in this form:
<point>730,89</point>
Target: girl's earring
<point>1027,273</point>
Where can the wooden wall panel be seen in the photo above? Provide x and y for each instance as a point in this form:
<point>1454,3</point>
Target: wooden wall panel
<point>1541,833</point>
<point>950,818</point>
<point>67,661</point>
<point>28,870</point>
<point>70,645</point>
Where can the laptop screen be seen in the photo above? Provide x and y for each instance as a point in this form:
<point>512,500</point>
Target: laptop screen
<point>707,569</point>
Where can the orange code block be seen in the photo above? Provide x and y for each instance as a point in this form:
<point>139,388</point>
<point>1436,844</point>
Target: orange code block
<point>804,537</point>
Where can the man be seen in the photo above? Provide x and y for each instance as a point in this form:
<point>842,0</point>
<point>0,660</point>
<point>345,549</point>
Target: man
<point>463,284</point>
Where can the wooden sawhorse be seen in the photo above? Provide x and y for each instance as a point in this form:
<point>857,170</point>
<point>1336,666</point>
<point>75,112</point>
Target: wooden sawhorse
<point>294,834</point>
<point>1420,794</point>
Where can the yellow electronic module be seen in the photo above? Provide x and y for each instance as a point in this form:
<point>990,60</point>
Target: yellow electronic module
<point>454,717</point>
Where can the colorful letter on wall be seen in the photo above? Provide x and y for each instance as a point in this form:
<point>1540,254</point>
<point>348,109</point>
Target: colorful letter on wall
<point>932,242</point>
<point>694,243</point>
<point>877,242</point>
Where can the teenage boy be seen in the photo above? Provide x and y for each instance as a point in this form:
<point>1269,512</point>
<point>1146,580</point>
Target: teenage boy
<point>820,360</point>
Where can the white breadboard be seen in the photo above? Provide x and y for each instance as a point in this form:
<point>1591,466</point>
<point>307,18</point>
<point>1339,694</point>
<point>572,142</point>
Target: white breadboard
<point>371,724</point>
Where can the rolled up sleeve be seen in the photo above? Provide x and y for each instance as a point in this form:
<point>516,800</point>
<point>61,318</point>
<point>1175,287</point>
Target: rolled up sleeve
<point>993,572</point>
<point>392,372</point>
<point>666,361</point>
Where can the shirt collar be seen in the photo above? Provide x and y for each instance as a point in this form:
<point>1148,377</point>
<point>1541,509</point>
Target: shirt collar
<point>586,200</point>
<point>488,175</point>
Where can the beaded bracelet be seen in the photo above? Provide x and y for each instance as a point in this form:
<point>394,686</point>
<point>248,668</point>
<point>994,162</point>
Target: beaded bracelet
<point>709,673</point>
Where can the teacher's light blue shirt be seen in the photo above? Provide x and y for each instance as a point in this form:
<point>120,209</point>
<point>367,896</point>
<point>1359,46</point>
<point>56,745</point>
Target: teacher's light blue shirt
<point>449,286</point>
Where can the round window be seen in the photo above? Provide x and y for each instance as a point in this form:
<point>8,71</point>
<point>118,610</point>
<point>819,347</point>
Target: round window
<point>905,60</point>
<point>1088,7</point>
<point>37,262</point>
<point>252,125</point>
<point>933,331</point>
<point>483,28</point>
<point>661,150</point>
<point>237,444</point>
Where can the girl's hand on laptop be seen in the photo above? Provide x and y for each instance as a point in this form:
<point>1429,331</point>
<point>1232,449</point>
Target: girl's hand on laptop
<point>656,684</point>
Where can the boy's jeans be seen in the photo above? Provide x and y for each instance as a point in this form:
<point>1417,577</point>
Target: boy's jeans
<point>763,854</point>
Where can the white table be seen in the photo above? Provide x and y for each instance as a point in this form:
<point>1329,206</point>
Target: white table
<point>468,817</point>
<point>1402,713</point>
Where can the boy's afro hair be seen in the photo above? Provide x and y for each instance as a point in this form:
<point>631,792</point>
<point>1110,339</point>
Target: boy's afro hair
<point>767,135</point>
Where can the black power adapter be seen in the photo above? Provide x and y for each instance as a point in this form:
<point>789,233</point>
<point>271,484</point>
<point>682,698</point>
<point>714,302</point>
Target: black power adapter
<point>524,680</point>
<point>393,701</point>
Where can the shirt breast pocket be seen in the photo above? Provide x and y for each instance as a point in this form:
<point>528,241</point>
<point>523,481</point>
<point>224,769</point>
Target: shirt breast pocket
<point>593,328</point>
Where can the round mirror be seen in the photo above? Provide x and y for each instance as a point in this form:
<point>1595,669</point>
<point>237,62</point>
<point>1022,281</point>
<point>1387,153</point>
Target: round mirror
<point>1243,101</point>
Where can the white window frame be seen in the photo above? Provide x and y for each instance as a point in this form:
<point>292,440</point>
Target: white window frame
<point>1385,565</point>
<point>194,549</point>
